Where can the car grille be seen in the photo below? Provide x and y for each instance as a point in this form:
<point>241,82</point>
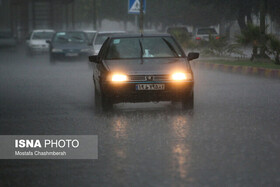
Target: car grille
<point>145,77</point>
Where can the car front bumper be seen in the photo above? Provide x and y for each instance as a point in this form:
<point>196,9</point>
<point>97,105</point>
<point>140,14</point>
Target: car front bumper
<point>127,92</point>
<point>63,55</point>
<point>39,49</point>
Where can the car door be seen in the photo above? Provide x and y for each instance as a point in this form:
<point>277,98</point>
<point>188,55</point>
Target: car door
<point>98,68</point>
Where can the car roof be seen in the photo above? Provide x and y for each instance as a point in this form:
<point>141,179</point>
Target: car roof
<point>43,30</point>
<point>71,31</point>
<point>110,32</point>
<point>136,35</point>
<point>68,31</point>
<point>89,31</point>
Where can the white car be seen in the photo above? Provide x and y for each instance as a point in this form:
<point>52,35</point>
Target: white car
<point>100,38</point>
<point>203,34</point>
<point>90,34</point>
<point>36,42</point>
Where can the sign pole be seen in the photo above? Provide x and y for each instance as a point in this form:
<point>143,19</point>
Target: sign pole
<point>136,23</point>
<point>141,17</point>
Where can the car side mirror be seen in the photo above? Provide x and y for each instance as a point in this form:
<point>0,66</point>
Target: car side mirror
<point>93,58</point>
<point>48,41</point>
<point>192,56</point>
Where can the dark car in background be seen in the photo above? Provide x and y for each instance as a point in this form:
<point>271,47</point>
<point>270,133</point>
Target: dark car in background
<point>69,44</point>
<point>135,68</point>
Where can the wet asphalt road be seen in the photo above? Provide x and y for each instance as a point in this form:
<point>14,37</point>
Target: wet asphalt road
<point>230,139</point>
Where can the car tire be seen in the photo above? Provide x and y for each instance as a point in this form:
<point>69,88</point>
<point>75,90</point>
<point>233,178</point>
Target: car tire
<point>188,102</point>
<point>97,100</point>
<point>102,102</point>
<point>52,58</point>
<point>106,103</point>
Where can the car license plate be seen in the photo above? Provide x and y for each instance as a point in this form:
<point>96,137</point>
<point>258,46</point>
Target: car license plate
<point>71,54</point>
<point>150,86</point>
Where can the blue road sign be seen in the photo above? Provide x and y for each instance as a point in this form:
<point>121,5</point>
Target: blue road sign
<point>134,6</point>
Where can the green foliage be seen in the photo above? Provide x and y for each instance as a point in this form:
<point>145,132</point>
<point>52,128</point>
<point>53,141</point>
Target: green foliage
<point>251,35</point>
<point>274,48</point>
<point>220,47</point>
<point>181,35</point>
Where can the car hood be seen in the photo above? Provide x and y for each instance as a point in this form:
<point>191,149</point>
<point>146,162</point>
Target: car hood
<point>70,46</point>
<point>148,67</point>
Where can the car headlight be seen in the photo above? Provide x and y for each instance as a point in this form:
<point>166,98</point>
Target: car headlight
<point>56,50</point>
<point>181,76</point>
<point>119,78</point>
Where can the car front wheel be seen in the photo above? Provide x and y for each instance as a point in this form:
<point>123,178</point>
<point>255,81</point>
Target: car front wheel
<point>188,101</point>
<point>102,102</point>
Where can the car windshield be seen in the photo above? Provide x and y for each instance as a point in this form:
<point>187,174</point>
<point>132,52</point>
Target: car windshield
<point>149,47</point>
<point>70,37</point>
<point>206,31</point>
<point>44,35</point>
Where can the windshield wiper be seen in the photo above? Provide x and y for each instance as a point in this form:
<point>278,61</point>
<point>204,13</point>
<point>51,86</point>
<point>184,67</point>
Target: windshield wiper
<point>170,47</point>
<point>141,51</point>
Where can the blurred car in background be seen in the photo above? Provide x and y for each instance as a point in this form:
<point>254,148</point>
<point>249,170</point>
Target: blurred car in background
<point>90,34</point>
<point>69,44</point>
<point>7,39</point>
<point>100,38</point>
<point>203,34</point>
<point>36,41</point>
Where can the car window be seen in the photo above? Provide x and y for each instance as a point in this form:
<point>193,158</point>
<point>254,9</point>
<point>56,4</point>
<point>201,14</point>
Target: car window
<point>149,47</point>
<point>206,31</point>
<point>42,35</point>
<point>70,37</point>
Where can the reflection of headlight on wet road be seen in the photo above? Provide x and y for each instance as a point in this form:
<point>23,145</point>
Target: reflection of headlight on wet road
<point>56,50</point>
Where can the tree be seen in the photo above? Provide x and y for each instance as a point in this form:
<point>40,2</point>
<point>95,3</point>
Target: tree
<point>251,35</point>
